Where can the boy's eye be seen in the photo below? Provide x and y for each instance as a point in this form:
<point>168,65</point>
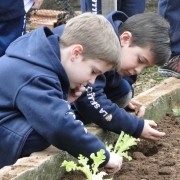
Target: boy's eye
<point>140,61</point>
<point>93,72</point>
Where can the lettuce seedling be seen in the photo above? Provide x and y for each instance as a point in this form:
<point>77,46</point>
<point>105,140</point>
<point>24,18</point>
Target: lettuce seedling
<point>91,172</point>
<point>123,144</point>
<point>176,112</point>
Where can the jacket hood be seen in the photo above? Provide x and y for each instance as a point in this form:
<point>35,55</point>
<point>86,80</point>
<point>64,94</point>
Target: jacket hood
<point>40,47</point>
<point>116,18</point>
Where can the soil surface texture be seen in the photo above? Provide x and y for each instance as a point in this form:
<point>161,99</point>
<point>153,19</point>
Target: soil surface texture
<point>151,160</point>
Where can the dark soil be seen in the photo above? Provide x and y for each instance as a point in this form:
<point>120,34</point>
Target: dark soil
<point>151,160</point>
<point>159,160</point>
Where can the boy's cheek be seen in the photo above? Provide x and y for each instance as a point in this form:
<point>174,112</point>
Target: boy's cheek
<point>120,72</point>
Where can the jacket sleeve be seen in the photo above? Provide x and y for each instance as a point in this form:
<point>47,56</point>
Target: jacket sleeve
<point>41,103</point>
<point>94,106</point>
<point>131,80</point>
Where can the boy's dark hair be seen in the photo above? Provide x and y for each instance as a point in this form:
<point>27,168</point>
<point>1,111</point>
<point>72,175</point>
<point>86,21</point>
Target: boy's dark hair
<point>150,30</point>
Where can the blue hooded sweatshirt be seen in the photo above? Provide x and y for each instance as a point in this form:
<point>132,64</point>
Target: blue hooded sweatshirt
<point>95,106</point>
<point>34,90</point>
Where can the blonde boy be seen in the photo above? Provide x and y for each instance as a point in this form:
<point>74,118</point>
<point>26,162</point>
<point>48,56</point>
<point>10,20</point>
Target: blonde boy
<point>41,76</point>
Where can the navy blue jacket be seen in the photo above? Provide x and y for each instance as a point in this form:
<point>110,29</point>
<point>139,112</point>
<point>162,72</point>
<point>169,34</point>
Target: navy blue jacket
<point>33,95</point>
<point>11,9</point>
<point>94,106</point>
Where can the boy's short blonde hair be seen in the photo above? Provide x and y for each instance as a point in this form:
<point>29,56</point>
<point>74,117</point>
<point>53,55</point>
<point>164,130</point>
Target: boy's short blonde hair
<point>96,35</point>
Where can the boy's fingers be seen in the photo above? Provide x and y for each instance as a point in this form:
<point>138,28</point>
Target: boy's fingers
<point>37,4</point>
<point>80,88</point>
<point>151,123</point>
<point>113,170</point>
<point>140,112</point>
<point>157,135</point>
<point>155,132</point>
<point>77,94</point>
<point>131,106</point>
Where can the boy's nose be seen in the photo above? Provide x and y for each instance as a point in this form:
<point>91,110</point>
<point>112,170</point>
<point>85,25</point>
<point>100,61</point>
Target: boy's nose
<point>91,81</point>
<point>139,70</point>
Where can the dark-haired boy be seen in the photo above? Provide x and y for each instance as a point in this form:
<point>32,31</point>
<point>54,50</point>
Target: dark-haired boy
<point>145,42</point>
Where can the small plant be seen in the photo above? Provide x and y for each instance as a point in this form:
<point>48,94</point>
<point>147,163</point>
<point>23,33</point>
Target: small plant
<point>123,144</point>
<point>91,172</point>
<point>176,112</point>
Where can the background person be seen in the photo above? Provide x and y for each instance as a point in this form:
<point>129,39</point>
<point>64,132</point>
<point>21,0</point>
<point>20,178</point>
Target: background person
<point>129,7</point>
<point>13,20</point>
<point>171,12</point>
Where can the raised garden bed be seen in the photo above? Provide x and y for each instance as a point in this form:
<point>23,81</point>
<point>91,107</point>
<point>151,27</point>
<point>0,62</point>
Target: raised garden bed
<point>159,160</point>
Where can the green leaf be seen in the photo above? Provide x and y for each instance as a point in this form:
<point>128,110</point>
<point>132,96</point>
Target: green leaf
<point>69,165</point>
<point>82,160</point>
<point>176,112</point>
<point>97,160</point>
<point>125,154</point>
<point>123,144</point>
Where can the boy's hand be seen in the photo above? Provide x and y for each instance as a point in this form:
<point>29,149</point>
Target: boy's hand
<point>137,107</point>
<point>75,93</point>
<point>114,164</point>
<point>37,4</point>
<point>149,133</point>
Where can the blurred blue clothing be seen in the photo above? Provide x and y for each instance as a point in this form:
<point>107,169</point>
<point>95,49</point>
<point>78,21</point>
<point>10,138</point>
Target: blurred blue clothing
<point>11,30</point>
<point>34,143</point>
<point>170,10</point>
<point>129,7</point>
<point>12,22</point>
<point>91,6</point>
<point>10,9</point>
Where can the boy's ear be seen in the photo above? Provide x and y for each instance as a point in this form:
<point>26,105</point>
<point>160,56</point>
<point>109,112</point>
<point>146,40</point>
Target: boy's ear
<point>125,38</point>
<point>76,50</point>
